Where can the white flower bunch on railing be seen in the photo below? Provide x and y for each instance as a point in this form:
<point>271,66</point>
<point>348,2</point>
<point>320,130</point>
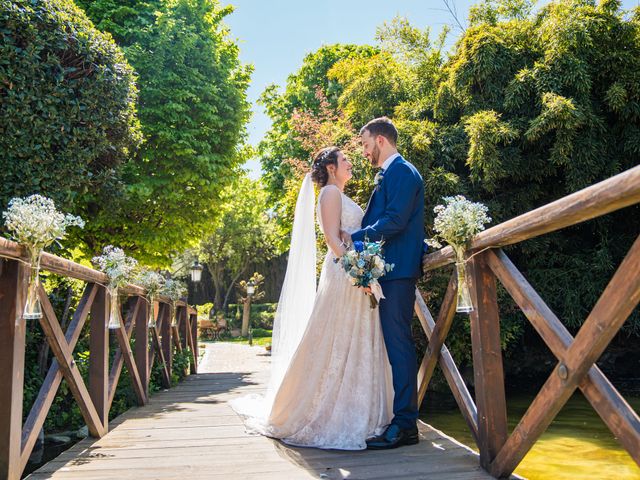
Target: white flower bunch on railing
<point>457,222</point>
<point>35,223</point>
<point>120,269</point>
<point>153,282</point>
<point>175,290</point>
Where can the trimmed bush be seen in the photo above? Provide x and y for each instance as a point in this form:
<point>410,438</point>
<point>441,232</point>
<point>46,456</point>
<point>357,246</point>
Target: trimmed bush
<point>67,104</point>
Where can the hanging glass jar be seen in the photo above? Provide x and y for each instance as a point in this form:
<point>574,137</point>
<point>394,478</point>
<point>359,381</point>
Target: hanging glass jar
<point>33,308</point>
<point>151,322</point>
<point>464,303</point>
<point>174,320</point>
<point>114,308</point>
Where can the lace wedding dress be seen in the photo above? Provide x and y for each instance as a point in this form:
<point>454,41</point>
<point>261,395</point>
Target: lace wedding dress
<point>337,390</point>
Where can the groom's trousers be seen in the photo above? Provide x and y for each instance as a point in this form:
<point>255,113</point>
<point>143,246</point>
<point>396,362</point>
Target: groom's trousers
<point>396,315</point>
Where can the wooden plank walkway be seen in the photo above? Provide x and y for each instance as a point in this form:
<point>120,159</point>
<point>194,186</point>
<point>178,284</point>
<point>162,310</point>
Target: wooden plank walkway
<point>190,432</point>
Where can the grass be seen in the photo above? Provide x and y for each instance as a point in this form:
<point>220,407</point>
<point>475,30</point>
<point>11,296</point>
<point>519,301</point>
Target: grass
<point>262,341</point>
<point>261,337</point>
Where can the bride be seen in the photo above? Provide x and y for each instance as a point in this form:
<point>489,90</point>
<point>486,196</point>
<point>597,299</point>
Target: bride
<point>330,384</point>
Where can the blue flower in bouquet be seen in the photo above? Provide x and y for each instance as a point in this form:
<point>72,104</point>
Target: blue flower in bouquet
<point>358,246</point>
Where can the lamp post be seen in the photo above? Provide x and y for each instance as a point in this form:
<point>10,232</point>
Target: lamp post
<point>251,289</point>
<point>196,272</point>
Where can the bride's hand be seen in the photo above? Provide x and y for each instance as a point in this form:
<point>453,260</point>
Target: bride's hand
<point>366,290</point>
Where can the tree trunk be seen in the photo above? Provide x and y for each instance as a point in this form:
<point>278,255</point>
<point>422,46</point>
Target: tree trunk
<point>245,316</point>
<point>217,276</point>
<point>233,283</point>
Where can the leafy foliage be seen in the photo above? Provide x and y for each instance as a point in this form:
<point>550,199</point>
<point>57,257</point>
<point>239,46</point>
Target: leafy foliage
<point>300,94</point>
<point>67,109</point>
<point>193,109</point>
<point>243,233</point>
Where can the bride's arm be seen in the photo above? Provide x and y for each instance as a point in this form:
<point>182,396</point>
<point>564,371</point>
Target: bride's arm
<point>330,212</point>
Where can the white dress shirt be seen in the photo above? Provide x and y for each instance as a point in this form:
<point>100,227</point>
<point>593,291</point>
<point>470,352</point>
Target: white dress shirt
<point>388,161</point>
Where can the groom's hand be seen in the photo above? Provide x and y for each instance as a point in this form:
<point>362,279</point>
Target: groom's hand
<point>345,237</point>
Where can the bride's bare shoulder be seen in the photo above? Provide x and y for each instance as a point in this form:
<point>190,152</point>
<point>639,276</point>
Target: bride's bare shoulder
<point>329,193</point>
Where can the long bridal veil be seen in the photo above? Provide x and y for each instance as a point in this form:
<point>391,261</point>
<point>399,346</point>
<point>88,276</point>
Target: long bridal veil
<point>294,309</point>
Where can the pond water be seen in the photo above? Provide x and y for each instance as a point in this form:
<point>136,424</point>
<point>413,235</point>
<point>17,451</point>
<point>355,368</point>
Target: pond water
<point>577,445</point>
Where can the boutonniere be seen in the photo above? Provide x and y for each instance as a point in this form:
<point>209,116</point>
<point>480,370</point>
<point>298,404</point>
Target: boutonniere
<point>377,180</point>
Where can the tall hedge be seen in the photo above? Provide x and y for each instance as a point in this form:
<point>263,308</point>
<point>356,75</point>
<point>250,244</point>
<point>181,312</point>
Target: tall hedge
<point>67,104</point>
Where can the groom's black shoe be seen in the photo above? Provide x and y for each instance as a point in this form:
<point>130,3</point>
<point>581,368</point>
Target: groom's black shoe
<point>393,437</point>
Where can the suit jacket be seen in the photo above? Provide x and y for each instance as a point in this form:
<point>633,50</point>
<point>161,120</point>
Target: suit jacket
<point>395,214</point>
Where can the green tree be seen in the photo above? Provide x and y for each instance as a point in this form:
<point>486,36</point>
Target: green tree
<point>550,104</point>
<point>67,109</point>
<point>193,111</point>
<point>301,94</point>
<point>244,232</point>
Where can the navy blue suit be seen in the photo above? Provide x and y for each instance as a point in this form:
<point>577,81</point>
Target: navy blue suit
<point>395,214</point>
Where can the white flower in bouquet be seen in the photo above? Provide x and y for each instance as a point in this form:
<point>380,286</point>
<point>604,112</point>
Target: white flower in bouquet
<point>459,220</point>
<point>119,267</point>
<point>35,222</point>
<point>379,263</point>
<point>152,281</point>
<point>174,289</point>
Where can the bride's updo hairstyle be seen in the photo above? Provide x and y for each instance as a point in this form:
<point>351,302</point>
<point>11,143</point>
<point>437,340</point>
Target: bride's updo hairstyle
<point>319,172</point>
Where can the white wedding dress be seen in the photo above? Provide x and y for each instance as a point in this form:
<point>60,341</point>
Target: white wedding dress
<point>337,390</point>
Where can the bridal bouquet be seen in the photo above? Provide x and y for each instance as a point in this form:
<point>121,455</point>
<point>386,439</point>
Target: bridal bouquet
<point>456,223</point>
<point>120,269</point>
<point>153,282</point>
<point>35,223</point>
<point>365,265</point>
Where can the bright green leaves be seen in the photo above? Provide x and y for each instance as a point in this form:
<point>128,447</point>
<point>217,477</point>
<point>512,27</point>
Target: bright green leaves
<point>486,133</point>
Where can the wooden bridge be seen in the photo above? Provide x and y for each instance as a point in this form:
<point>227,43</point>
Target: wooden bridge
<point>189,430</point>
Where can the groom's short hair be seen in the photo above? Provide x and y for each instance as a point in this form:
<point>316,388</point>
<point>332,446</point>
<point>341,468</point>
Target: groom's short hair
<point>381,126</point>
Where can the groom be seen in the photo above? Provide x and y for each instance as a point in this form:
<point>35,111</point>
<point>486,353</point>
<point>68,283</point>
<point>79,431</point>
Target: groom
<point>395,214</point>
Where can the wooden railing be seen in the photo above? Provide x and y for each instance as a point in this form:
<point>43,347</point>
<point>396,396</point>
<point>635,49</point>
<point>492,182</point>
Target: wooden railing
<point>158,343</point>
<point>500,453</point>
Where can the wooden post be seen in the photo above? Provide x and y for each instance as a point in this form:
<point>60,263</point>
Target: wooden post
<point>437,338</point>
<point>183,327</point>
<point>99,358</point>
<point>165,331</point>
<point>142,344</point>
<point>246,313</point>
<point>194,340</point>
<point>13,287</point>
<point>487,361</point>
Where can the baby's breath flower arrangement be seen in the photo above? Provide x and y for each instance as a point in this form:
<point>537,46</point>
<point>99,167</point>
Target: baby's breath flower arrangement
<point>35,223</point>
<point>153,282</point>
<point>121,270</point>
<point>456,223</point>
<point>175,290</point>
